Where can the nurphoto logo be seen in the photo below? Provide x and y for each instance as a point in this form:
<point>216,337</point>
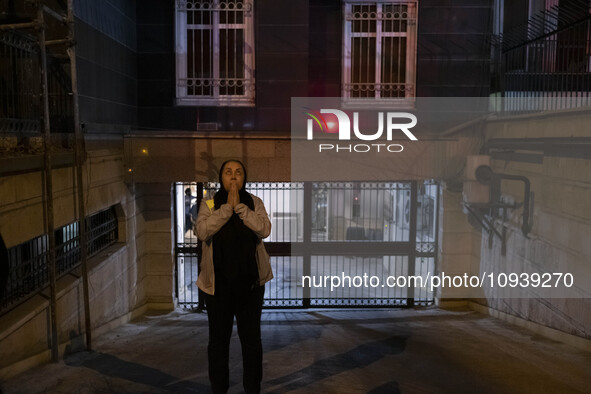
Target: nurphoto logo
<point>394,124</point>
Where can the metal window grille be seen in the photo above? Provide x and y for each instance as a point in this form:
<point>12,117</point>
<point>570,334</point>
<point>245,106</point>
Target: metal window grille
<point>325,228</point>
<point>20,86</point>
<point>217,45</point>
<point>102,230</point>
<point>67,249</point>
<point>380,41</point>
<point>28,271</point>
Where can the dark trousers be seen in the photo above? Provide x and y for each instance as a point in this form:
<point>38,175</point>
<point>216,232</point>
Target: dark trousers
<point>246,305</point>
<point>201,299</point>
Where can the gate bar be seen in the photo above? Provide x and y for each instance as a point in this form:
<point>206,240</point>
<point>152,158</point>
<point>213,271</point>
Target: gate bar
<point>307,269</point>
<point>412,240</point>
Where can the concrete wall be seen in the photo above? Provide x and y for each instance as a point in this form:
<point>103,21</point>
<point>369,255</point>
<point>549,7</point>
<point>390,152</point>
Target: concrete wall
<point>116,280</point>
<point>25,338</point>
<point>154,244</point>
<point>21,195</point>
<point>559,240</point>
<point>459,246</point>
<point>194,157</point>
<point>136,274</point>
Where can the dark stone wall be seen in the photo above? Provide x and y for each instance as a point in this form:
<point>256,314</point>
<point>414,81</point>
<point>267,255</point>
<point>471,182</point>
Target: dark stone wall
<point>281,47</point>
<point>107,63</point>
<point>453,50</point>
<point>127,64</point>
<point>156,69</point>
<point>281,63</point>
<point>325,56</point>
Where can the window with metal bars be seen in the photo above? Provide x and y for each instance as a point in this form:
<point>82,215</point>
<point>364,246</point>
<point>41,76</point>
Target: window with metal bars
<point>215,52</point>
<point>28,271</point>
<point>380,51</point>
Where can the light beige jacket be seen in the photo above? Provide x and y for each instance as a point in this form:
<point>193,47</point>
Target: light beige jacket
<point>210,221</point>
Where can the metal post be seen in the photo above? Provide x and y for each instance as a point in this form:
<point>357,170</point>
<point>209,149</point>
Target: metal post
<point>437,208</point>
<point>48,186</point>
<point>175,241</point>
<point>200,195</point>
<point>412,240</point>
<point>307,244</point>
<point>79,158</point>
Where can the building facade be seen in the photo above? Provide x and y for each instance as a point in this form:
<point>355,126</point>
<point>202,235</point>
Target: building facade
<point>168,90</point>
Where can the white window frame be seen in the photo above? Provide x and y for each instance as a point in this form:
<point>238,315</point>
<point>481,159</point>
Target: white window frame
<point>411,54</point>
<point>181,33</point>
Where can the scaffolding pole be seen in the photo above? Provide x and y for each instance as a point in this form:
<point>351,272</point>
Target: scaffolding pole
<point>48,186</point>
<point>79,157</point>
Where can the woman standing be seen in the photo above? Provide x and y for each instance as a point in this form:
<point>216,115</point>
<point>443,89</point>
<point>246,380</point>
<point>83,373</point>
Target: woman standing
<point>234,269</point>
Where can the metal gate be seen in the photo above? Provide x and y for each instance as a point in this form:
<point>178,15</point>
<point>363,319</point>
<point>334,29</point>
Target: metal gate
<point>322,229</point>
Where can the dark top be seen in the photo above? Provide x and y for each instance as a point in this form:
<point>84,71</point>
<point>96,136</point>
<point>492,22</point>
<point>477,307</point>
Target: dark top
<point>234,255</point>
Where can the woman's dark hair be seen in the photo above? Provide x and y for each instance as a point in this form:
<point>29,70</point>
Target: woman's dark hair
<point>222,170</point>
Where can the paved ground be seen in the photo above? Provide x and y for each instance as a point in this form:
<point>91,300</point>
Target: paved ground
<point>326,351</point>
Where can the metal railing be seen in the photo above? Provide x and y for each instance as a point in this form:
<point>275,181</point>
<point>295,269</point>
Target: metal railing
<point>546,63</point>
<point>28,262</point>
<point>329,228</point>
<point>21,86</point>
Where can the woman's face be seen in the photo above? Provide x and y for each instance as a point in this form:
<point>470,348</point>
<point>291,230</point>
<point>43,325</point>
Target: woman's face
<point>232,173</point>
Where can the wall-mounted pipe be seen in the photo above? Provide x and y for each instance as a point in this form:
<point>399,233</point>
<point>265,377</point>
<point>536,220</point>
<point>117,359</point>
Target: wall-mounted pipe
<point>526,226</point>
<point>485,175</point>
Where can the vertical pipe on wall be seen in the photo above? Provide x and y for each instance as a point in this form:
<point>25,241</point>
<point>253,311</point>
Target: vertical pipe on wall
<point>48,184</point>
<point>79,157</point>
